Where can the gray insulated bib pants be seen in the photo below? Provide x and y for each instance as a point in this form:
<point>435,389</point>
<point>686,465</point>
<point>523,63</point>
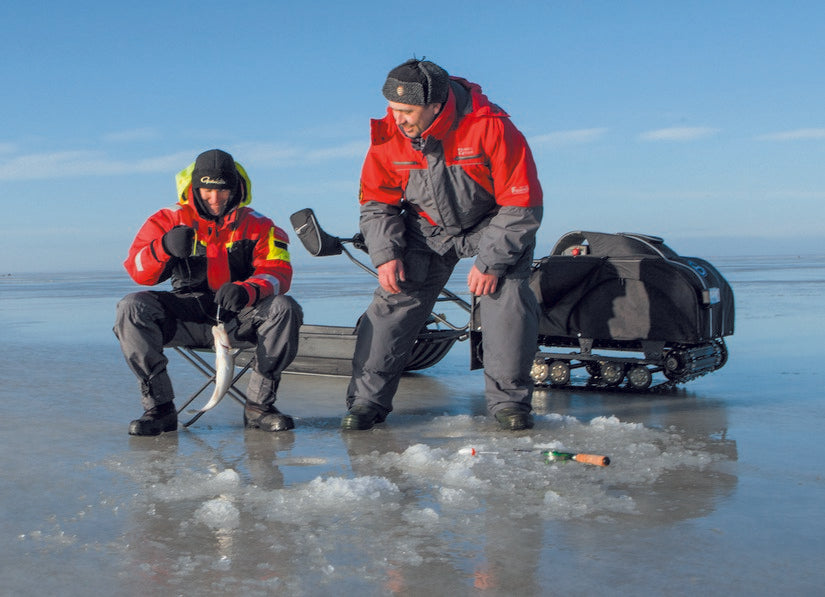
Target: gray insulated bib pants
<point>388,329</point>
<point>147,321</point>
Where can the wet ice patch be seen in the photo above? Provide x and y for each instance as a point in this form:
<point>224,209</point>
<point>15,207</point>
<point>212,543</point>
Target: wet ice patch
<point>454,426</point>
<point>53,537</point>
<point>577,505</point>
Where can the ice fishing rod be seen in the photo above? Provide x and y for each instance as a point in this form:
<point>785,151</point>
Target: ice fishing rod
<point>551,456</point>
<point>554,456</point>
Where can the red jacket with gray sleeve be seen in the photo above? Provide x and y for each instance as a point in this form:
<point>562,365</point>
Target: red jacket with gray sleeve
<point>469,183</point>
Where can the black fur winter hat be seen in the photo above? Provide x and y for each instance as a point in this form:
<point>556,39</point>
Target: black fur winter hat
<point>418,83</point>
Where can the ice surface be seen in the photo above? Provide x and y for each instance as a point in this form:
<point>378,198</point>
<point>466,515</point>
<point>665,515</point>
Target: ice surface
<point>703,481</point>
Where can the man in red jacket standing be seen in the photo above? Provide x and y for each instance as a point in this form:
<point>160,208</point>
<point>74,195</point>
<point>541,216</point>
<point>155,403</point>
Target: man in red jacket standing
<point>447,176</point>
<point>222,258</point>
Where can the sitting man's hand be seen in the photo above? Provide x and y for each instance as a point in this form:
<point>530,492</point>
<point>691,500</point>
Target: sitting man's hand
<point>179,241</point>
<point>232,297</point>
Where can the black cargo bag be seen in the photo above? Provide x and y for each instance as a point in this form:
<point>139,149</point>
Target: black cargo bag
<point>629,287</point>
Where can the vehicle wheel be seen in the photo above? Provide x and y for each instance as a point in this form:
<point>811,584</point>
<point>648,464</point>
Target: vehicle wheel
<point>639,377</point>
<point>612,373</point>
<point>539,371</point>
<point>559,373</point>
<point>674,364</point>
<point>593,369</point>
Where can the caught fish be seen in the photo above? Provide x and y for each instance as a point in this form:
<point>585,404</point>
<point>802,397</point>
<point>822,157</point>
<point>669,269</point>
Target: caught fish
<point>224,365</point>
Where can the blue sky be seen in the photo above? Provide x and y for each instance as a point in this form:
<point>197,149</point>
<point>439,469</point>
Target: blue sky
<point>701,122</point>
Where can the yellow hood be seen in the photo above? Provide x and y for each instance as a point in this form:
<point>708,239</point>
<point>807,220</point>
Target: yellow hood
<point>183,182</point>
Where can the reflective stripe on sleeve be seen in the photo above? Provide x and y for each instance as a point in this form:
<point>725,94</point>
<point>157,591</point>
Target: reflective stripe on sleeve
<point>277,248</point>
<point>138,261</point>
<point>269,279</point>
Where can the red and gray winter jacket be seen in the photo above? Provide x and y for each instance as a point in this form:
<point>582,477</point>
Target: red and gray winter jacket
<point>469,183</point>
<point>243,246</point>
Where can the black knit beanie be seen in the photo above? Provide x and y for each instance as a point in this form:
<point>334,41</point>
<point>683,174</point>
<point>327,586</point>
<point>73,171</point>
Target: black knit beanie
<point>418,83</point>
<point>215,169</point>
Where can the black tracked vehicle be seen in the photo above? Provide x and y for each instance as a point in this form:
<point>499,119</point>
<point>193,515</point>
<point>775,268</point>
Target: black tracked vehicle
<point>625,311</point>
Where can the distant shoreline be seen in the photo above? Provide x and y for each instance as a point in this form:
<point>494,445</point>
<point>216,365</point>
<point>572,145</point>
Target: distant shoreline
<point>310,264</point>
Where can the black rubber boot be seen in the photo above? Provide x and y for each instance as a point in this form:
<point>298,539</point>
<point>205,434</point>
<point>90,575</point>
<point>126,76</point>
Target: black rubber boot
<point>362,416</point>
<point>267,418</point>
<point>155,421</point>
<point>514,419</point>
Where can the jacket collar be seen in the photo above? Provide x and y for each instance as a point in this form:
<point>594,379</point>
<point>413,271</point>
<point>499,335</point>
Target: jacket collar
<point>190,204</point>
<point>445,120</point>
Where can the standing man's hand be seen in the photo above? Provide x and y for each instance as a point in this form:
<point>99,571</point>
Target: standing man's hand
<point>481,284</point>
<point>390,274</point>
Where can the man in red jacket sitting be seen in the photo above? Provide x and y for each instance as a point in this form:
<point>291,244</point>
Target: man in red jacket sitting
<point>221,257</point>
<point>447,176</point>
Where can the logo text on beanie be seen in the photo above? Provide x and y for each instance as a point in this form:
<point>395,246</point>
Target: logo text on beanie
<point>210,180</point>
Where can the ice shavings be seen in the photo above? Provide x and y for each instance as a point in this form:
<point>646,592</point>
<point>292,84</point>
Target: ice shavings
<point>219,513</point>
<point>423,517</point>
<point>192,485</point>
<point>424,480</point>
<point>413,493</point>
<point>323,498</point>
<point>467,473</point>
<point>449,497</point>
<point>420,460</point>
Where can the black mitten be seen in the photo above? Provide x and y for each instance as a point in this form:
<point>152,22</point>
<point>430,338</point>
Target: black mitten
<point>232,297</point>
<point>179,241</point>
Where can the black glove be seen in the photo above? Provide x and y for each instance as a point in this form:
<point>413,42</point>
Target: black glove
<point>178,241</point>
<point>231,297</point>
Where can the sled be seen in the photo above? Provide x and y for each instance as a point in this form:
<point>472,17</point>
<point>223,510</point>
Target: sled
<point>630,308</point>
